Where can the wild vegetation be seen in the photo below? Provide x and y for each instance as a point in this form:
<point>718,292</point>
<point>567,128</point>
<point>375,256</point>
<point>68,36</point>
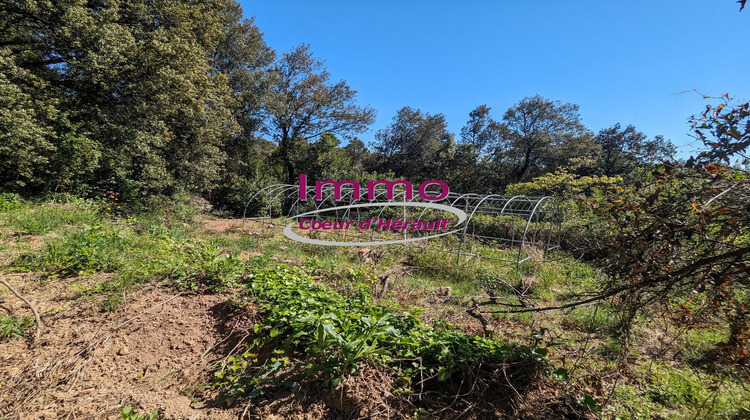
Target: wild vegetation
<point>130,130</point>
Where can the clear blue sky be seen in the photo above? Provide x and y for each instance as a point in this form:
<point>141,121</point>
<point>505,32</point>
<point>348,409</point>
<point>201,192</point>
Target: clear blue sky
<point>621,61</point>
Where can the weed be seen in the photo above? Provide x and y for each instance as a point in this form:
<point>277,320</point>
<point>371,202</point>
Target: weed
<point>37,220</point>
<point>339,332</point>
<point>97,248</point>
<point>128,413</point>
<point>9,201</point>
<point>11,326</point>
<point>602,319</point>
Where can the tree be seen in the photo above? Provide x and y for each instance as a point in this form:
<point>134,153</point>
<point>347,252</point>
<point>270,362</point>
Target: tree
<point>303,104</point>
<point>243,57</point>
<point>41,149</point>
<point>325,160</point>
<point>625,149</point>
<point>481,131</point>
<point>411,145</point>
<point>134,78</point>
<point>358,153</point>
<point>677,239</point>
<point>539,135</point>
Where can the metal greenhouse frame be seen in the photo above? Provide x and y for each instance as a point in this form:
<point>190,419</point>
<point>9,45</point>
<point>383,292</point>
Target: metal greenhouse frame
<point>513,228</point>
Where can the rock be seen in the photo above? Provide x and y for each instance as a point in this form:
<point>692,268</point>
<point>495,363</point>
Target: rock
<point>123,351</point>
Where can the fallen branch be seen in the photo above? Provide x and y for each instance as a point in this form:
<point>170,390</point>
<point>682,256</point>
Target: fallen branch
<point>39,325</point>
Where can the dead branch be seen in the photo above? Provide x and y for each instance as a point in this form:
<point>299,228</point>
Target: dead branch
<point>39,325</point>
<point>473,311</point>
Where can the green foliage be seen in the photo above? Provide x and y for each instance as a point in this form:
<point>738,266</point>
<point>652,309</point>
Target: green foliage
<point>338,333</point>
<point>682,231</point>
<point>626,150</point>
<point>135,253</point>
<point>325,160</point>
<point>135,78</point>
<point>11,326</point>
<point>510,227</point>
<point>600,319</point>
<point>303,104</point>
<point>673,387</point>
<point>128,413</point>
<point>97,248</point>
<point>664,391</point>
<point>563,183</point>
<point>37,220</point>
<point>482,132</point>
<point>199,263</point>
<point>35,130</point>
<point>538,134</point>
<point>9,201</point>
<point>412,144</point>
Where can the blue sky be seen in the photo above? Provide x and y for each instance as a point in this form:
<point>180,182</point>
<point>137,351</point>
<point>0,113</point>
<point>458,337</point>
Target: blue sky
<point>621,61</point>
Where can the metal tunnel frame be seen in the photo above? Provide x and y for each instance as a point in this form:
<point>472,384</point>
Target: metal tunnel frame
<point>520,226</point>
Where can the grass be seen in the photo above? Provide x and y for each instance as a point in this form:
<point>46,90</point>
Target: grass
<point>74,240</point>
<point>41,219</point>
<point>698,342</point>
<point>601,319</point>
<point>665,391</point>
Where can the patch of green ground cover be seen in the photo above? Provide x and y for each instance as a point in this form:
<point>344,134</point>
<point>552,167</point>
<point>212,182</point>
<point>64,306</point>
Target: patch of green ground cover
<point>663,391</point>
<point>128,413</point>
<point>602,319</point>
<point>30,219</point>
<point>9,201</point>
<point>566,272</point>
<point>134,253</point>
<point>697,343</point>
<point>232,242</point>
<point>10,326</point>
<point>317,330</point>
<point>96,248</point>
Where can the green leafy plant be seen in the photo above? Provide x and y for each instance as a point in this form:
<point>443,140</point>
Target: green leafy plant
<point>336,334</point>
<point>9,201</point>
<point>97,248</point>
<point>11,326</point>
<point>128,413</point>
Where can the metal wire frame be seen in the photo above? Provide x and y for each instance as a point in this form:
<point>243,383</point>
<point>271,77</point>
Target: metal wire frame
<point>538,219</point>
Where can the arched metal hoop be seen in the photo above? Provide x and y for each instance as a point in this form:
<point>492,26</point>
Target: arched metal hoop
<point>528,221</point>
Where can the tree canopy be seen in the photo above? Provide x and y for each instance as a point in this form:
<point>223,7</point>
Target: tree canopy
<point>162,97</point>
<point>304,104</point>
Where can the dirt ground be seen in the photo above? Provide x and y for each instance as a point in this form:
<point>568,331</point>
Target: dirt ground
<point>153,352</point>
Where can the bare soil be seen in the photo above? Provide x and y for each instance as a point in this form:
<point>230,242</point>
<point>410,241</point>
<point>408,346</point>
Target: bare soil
<point>224,225</point>
<point>153,352</point>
